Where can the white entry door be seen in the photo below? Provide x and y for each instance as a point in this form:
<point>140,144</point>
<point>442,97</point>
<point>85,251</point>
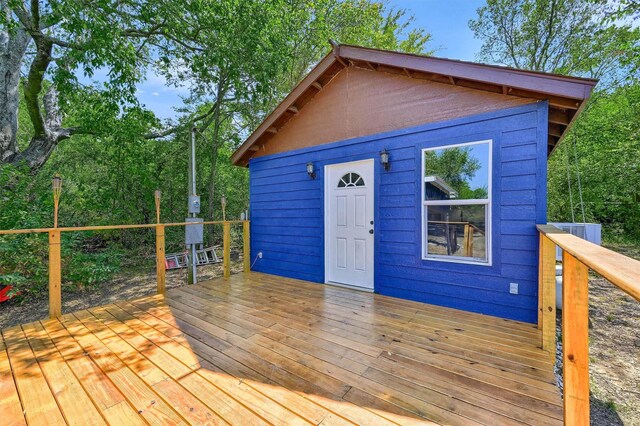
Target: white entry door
<point>349,226</point>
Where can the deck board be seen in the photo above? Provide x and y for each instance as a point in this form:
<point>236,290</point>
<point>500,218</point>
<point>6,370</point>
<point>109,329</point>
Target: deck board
<point>261,349</point>
<point>10,405</point>
<point>38,402</point>
<point>75,404</point>
<point>139,394</point>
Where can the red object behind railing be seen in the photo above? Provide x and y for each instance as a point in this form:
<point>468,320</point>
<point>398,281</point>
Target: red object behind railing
<point>5,293</point>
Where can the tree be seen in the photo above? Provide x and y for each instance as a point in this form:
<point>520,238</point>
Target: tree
<point>623,9</point>
<point>591,38</point>
<point>457,166</point>
<point>57,40</point>
<point>559,36</point>
<point>357,22</point>
<point>223,49</point>
<point>238,58</point>
<point>603,151</point>
<point>64,37</point>
<point>263,49</point>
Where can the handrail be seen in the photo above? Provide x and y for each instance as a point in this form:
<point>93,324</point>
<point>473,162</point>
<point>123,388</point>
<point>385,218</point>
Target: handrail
<point>620,270</point>
<point>577,258</point>
<point>55,260</point>
<point>111,227</point>
<point>444,222</point>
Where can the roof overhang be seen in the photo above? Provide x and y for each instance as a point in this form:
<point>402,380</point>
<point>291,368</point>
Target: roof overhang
<point>441,184</point>
<point>566,96</point>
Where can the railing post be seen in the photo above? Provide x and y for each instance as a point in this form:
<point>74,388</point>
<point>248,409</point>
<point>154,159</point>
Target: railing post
<point>160,259</point>
<point>226,245</point>
<point>547,295</point>
<point>575,340</point>
<point>55,274</point>
<point>465,241</point>
<point>246,254</point>
<point>468,240</point>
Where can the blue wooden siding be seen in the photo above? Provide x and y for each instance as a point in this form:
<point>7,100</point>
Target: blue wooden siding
<point>287,209</point>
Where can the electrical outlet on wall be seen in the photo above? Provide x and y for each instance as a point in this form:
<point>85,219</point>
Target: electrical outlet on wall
<point>259,255</point>
<point>513,288</point>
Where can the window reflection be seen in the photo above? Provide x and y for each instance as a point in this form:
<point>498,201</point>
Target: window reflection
<point>456,201</point>
<point>457,231</point>
<point>460,173</point>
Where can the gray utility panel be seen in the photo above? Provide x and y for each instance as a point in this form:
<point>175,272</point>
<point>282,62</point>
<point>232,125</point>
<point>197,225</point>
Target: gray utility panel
<point>194,234</point>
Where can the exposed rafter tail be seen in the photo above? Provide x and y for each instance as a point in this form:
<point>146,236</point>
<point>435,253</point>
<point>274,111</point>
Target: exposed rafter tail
<point>336,52</point>
<point>336,47</point>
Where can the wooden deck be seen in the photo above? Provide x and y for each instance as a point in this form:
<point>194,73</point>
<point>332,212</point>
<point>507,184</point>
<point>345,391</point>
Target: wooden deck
<point>260,349</point>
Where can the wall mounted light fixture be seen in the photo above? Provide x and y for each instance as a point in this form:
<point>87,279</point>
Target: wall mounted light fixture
<point>311,170</point>
<point>384,159</point>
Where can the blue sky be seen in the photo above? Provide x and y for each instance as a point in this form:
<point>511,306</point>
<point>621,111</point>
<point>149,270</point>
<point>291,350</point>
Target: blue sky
<point>446,20</point>
<point>159,97</point>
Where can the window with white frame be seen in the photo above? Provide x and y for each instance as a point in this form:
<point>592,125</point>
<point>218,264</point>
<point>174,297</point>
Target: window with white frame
<point>456,202</point>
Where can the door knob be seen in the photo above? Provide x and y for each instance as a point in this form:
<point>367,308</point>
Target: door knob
<point>371,231</point>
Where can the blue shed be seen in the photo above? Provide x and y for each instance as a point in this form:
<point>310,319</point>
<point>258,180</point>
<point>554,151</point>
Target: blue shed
<point>410,176</point>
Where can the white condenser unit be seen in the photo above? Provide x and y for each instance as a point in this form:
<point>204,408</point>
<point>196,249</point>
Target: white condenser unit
<point>587,231</point>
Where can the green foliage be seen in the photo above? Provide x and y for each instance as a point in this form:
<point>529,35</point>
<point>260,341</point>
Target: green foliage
<point>594,38</point>
<point>561,36</point>
<point>87,269</point>
<point>457,167</point>
<point>359,22</point>
<point>28,203</point>
<point>236,57</point>
<point>607,148</point>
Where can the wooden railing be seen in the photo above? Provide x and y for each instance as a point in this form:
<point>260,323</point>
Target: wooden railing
<point>578,257</point>
<point>469,230</point>
<point>55,258</point>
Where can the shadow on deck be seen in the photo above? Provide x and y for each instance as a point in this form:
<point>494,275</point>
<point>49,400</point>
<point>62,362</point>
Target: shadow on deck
<point>261,349</point>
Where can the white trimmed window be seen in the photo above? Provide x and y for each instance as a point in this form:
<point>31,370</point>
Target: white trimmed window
<point>456,203</point>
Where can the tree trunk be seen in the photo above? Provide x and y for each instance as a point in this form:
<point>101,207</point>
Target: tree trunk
<point>47,125</point>
<point>13,45</point>
<point>215,145</point>
<point>42,143</point>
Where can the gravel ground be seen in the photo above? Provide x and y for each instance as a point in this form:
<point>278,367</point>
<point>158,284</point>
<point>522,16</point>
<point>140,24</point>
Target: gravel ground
<point>129,285</point>
<point>614,352</point>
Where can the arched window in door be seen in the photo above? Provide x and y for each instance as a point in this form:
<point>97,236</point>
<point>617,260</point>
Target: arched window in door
<point>350,179</point>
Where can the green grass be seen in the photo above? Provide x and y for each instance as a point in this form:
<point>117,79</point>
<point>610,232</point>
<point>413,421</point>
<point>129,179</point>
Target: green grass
<point>611,405</point>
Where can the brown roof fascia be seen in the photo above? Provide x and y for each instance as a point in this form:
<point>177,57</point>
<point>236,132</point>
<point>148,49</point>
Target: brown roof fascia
<point>551,84</point>
<point>558,89</point>
<point>288,102</point>
<point>569,126</point>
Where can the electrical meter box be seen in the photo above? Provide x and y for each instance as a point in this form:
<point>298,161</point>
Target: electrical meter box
<point>194,234</point>
<point>194,204</point>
